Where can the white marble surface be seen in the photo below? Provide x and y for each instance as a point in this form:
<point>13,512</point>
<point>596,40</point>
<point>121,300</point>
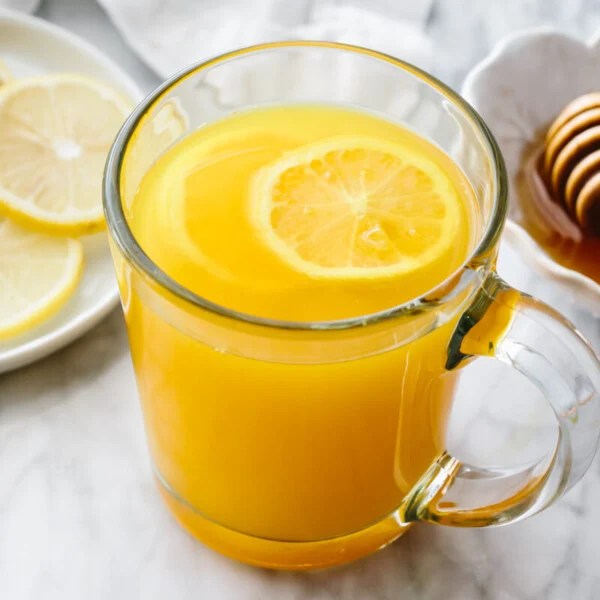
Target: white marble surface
<point>79,517</point>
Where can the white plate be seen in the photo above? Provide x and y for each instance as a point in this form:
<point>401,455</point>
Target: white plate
<point>518,90</point>
<point>30,46</point>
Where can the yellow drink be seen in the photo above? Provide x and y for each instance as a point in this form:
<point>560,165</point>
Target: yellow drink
<point>191,217</point>
<point>272,448</point>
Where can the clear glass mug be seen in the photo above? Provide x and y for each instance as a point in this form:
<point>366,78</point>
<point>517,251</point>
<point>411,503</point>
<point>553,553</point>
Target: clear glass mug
<point>297,445</point>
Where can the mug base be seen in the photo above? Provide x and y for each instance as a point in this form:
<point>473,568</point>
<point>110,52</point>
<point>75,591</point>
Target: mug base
<point>291,556</point>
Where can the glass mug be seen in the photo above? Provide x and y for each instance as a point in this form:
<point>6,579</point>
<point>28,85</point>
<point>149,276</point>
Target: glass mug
<point>296,445</point>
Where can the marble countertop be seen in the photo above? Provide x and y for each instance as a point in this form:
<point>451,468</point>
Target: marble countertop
<point>79,516</point>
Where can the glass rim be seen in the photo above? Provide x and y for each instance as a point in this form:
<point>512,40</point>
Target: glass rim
<point>128,245</point>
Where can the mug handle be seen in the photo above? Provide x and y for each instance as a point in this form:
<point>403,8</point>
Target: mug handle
<point>541,344</point>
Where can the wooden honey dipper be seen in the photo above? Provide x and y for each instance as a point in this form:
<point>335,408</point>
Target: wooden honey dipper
<point>571,161</point>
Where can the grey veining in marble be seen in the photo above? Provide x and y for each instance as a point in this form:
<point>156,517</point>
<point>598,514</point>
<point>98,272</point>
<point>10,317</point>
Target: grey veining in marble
<point>79,516</point>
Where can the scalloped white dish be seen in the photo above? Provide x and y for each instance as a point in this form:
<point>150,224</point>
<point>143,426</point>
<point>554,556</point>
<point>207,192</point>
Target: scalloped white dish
<point>518,90</point>
<point>30,46</point>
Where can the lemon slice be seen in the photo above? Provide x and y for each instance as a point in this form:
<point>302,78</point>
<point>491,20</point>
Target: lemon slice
<point>5,74</point>
<point>55,133</point>
<point>38,273</point>
<point>355,208</point>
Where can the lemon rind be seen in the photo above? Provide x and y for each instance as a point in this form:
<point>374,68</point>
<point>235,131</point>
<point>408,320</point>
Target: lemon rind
<point>52,302</point>
<point>260,208</point>
<point>26,213</point>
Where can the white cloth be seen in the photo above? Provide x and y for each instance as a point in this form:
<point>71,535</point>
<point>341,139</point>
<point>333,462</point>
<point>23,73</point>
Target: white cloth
<point>170,34</point>
<point>22,5</point>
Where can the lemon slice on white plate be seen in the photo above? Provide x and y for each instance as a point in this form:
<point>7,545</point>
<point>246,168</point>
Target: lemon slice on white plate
<point>34,46</point>
<point>38,273</point>
<point>354,208</point>
<point>5,73</point>
<point>55,133</point>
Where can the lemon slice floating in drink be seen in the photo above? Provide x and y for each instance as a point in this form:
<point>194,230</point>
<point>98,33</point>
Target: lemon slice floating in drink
<point>354,208</point>
<point>55,133</point>
<point>38,273</point>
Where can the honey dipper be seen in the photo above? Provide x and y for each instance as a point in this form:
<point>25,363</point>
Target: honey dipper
<point>571,161</point>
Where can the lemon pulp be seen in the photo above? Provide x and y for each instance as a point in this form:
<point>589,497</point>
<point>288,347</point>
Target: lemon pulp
<point>38,273</point>
<point>305,212</point>
<point>5,74</point>
<point>55,133</point>
<point>354,207</point>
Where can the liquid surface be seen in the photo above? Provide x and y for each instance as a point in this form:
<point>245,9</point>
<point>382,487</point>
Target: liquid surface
<point>191,215</point>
